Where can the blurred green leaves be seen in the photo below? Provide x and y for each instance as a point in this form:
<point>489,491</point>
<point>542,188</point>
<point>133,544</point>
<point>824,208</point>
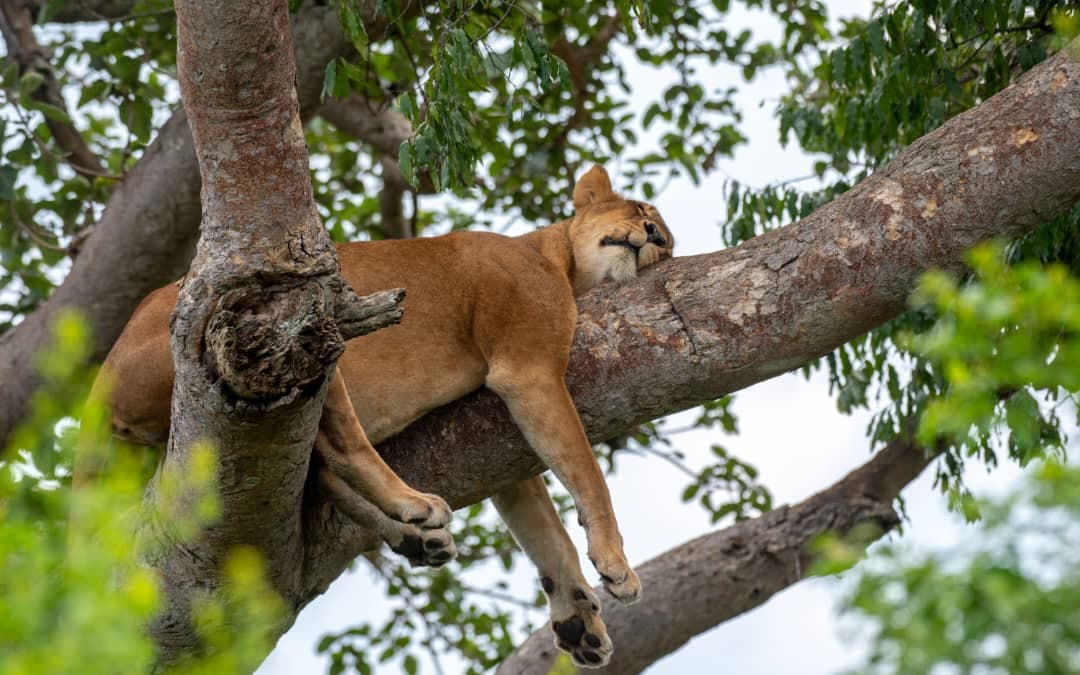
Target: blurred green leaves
<point>76,596</point>
<point>1004,600</point>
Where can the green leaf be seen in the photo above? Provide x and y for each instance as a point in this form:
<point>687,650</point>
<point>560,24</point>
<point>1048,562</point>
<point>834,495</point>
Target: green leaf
<point>405,162</point>
<point>329,81</point>
<point>8,176</point>
<point>50,111</point>
<point>94,91</point>
<point>29,82</point>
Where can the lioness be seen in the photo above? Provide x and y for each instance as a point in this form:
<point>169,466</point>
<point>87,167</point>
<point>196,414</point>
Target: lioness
<point>481,309</point>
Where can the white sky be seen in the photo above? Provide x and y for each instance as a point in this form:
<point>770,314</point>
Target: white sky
<point>789,429</point>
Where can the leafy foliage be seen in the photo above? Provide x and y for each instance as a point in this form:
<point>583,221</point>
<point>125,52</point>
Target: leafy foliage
<point>120,79</point>
<point>74,594</point>
<point>898,75</point>
<point>1003,602</point>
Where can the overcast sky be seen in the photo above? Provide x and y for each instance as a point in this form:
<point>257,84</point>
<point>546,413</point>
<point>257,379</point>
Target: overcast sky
<point>789,429</point>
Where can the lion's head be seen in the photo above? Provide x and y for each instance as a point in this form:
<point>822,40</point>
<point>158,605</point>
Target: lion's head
<point>613,237</point>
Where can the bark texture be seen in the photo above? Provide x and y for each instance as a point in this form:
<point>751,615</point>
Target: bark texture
<point>718,576</point>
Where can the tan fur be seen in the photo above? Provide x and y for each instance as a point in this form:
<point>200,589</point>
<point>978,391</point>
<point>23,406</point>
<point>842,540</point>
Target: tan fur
<point>481,310</point>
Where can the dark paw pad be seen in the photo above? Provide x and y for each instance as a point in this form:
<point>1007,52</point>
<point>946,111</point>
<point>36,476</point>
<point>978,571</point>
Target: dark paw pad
<point>433,544</point>
<point>586,658</point>
<point>570,630</point>
<point>548,584</point>
<point>588,650</point>
<point>411,547</point>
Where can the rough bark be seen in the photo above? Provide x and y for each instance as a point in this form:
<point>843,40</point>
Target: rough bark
<point>147,234</point>
<point>718,576</point>
<point>255,332</point>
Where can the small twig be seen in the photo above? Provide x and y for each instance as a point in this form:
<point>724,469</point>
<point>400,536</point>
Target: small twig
<point>33,234</point>
<point>670,460</point>
<point>501,597</point>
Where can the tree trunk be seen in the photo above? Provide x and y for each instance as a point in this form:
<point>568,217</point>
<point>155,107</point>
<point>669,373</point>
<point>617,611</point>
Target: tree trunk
<point>255,332</point>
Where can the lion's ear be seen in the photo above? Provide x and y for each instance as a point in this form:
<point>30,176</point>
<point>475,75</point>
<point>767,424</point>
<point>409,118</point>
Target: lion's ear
<point>594,186</point>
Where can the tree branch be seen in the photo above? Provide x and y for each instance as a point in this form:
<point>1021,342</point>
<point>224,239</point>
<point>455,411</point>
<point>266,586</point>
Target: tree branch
<point>394,224</point>
<point>696,328</point>
<point>379,126</point>
<point>384,129</point>
<point>718,576</point>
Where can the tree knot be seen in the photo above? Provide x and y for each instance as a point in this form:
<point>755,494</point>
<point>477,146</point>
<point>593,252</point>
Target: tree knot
<point>264,342</point>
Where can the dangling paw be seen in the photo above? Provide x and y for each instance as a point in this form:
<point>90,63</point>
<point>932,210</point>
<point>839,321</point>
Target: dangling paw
<point>580,631</point>
<point>619,579</point>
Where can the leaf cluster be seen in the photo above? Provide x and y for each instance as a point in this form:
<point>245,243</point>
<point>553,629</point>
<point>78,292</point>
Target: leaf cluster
<point>1004,601</point>
<point>76,595</point>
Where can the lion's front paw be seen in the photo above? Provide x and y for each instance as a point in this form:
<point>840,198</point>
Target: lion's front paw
<point>428,512</point>
<point>582,634</point>
<point>425,548</point>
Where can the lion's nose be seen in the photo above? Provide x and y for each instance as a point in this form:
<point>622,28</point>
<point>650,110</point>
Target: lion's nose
<point>654,236</point>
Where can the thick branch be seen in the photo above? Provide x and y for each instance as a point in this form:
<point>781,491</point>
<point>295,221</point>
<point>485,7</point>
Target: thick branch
<point>697,328</point>
<point>720,575</point>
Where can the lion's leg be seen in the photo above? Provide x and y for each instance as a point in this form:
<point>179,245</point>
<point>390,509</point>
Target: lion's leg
<point>527,510</point>
<point>422,547</point>
<point>542,408</point>
<point>346,451</point>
